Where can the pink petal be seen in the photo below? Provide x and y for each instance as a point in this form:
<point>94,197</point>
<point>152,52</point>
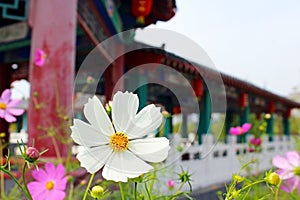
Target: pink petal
<point>40,62</point>
<point>246,127</point>
<point>40,175</point>
<point>6,94</point>
<point>40,58</point>
<point>290,184</point>
<point>50,170</point>
<point>36,189</point>
<point>41,196</point>
<point>9,118</point>
<point>61,184</point>
<point>60,171</point>
<point>15,111</point>
<point>55,195</point>
<point>234,131</point>
<point>285,174</point>
<point>2,113</point>
<point>14,103</point>
<point>281,163</point>
<point>293,158</point>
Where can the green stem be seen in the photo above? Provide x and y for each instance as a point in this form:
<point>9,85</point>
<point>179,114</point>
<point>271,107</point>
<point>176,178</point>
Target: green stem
<point>147,190</point>
<point>154,177</point>
<point>13,178</point>
<point>24,182</point>
<point>135,190</point>
<point>121,191</point>
<point>277,191</point>
<point>250,185</point>
<point>180,187</point>
<point>2,174</point>
<point>71,191</point>
<point>178,190</point>
<point>88,186</point>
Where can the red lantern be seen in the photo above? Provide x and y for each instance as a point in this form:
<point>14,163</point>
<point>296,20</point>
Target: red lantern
<point>271,107</point>
<point>198,87</point>
<point>176,110</point>
<point>243,100</point>
<point>140,9</point>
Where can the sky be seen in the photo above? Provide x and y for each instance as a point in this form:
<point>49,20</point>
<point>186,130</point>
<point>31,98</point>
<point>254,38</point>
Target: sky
<point>253,40</point>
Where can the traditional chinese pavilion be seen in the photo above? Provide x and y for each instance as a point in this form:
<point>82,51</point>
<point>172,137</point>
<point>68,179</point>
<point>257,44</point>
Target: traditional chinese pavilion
<point>68,30</point>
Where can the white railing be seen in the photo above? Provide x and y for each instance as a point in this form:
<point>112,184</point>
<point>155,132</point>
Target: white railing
<point>213,164</point>
<point>210,163</point>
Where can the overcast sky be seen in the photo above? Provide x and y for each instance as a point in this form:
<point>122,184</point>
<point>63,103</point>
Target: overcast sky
<point>254,40</point>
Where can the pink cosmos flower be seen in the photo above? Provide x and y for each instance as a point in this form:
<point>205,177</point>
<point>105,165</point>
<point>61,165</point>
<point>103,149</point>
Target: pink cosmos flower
<point>8,107</point>
<point>50,183</point>
<point>170,184</point>
<point>255,141</point>
<point>289,170</point>
<point>40,57</point>
<point>240,130</point>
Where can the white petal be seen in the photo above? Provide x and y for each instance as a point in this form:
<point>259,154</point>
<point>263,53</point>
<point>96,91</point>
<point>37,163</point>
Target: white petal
<point>93,159</point>
<point>124,164</point>
<point>113,175</point>
<point>95,113</point>
<point>150,149</point>
<point>86,135</point>
<point>145,122</point>
<point>124,109</point>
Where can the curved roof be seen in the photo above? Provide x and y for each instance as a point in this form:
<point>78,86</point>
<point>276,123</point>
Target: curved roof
<point>159,55</point>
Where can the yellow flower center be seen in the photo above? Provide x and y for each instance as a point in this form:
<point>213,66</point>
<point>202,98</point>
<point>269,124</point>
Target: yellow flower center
<point>2,106</point>
<point>119,141</point>
<point>49,185</point>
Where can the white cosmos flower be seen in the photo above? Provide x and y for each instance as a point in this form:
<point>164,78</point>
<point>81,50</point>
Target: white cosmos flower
<point>121,146</point>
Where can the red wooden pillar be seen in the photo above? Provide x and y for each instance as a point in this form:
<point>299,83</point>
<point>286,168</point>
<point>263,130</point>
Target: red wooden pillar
<point>5,75</point>
<point>54,31</point>
<point>113,80</point>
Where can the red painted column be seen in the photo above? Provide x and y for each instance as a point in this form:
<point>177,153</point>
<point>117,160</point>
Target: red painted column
<point>54,31</point>
<point>113,76</point>
<point>5,75</point>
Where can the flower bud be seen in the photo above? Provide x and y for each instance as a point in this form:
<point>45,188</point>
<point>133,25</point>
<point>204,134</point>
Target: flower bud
<point>273,179</point>
<point>108,107</point>
<point>267,116</point>
<point>261,128</point>
<point>235,194</point>
<point>32,154</point>
<point>35,94</point>
<point>70,179</point>
<point>83,182</point>
<point>184,176</point>
<point>90,80</point>
<point>166,114</point>
<point>238,178</point>
<point>255,141</point>
<point>97,191</point>
<point>170,184</point>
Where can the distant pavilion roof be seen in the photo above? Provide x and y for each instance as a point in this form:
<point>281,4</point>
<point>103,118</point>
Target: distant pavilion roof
<point>159,55</point>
